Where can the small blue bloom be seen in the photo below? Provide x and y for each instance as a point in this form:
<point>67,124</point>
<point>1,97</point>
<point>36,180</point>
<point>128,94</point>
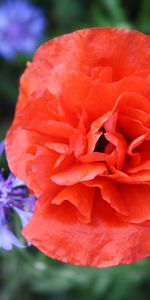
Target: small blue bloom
<point>22,27</point>
<point>14,196</point>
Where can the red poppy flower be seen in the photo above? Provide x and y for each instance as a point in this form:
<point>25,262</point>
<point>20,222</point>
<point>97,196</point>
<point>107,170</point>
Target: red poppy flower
<point>81,141</point>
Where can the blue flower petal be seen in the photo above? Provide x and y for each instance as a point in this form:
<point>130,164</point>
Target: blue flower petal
<point>20,32</point>
<point>14,196</point>
<point>25,216</point>
<point>8,239</point>
<point>17,183</point>
<point>1,148</point>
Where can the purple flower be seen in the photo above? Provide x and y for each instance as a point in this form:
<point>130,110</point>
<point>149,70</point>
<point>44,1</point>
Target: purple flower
<point>22,27</point>
<point>14,196</point>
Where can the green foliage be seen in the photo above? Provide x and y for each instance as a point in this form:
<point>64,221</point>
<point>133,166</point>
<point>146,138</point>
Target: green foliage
<point>28,274</point>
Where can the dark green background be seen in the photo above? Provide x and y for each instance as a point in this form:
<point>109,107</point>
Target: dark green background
<point>28,274</point>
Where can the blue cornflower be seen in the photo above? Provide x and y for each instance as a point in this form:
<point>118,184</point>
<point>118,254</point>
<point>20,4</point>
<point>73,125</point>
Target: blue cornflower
<point>22,27</point>
<point>14,196</point>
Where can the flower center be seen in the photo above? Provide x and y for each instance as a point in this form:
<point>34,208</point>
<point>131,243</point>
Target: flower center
<point>101,143</point>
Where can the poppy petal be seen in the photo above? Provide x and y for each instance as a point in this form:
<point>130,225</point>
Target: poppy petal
<point>88,244</point>
<point>79,172</point>
<point>81,197</point>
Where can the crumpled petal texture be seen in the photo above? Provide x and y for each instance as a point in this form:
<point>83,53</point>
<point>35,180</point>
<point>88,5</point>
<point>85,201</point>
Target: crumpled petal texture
<point>80,140</point>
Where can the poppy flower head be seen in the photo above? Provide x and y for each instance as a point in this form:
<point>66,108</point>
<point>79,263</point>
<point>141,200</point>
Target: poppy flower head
<point>81,134</point>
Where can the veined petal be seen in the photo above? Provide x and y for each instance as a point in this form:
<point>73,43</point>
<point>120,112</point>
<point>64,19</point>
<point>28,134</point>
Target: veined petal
<point>78,173</point>
<point>70,241</point>
<point>81,197</point>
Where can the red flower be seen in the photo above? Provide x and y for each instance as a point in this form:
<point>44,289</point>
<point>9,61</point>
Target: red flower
<point>81,141</point>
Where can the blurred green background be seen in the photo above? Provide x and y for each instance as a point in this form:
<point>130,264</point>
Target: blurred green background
<point>28,274</point>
